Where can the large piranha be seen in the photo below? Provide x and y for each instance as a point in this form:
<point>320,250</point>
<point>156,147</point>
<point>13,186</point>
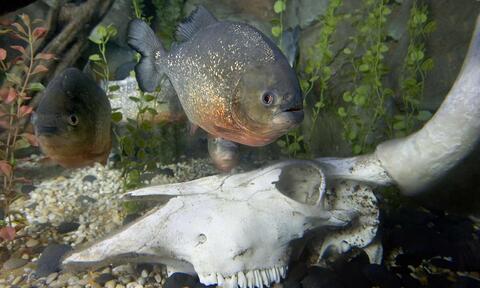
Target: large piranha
<point>232,80</point>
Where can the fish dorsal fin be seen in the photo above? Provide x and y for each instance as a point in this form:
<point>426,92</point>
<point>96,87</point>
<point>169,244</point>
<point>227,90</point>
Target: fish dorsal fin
<point>197,20</point>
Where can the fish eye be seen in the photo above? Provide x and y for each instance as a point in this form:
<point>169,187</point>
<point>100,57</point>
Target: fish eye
<point>73,120</point>
<point>267,98</point>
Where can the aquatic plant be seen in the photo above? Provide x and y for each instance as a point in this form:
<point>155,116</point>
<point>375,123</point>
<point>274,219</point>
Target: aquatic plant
<point>168,14</point>
<point>318,70</point>
<point>416,66</point>
<point>101,36</point>
<point>19,69</point>
<point>364,109</point>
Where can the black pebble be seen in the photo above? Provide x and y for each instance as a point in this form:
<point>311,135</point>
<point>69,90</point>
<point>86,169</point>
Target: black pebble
<point>89,178</point>
<point>104,278</point>
<point>319,277</point>
<point>167,172</point>
<point>381,276</point>
<point>27,188</point>
<point>180,280</point>
<point>66,227</point>
<point>50,259</point>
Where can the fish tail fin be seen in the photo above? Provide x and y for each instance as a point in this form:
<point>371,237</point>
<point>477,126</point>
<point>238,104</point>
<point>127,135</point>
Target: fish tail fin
<point>142,38</point>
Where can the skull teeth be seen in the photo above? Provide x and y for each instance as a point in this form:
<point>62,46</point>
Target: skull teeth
<point>248,279</point>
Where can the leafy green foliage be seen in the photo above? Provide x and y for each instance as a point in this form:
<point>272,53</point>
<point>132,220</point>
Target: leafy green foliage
<point>15,92</point>
<point>415,68</point>
<point>364,110</point>
<point>168,14</point>
<point>318,66</point>
<point>144,143</point>
<point>101,36</point>
<point>279,8</point>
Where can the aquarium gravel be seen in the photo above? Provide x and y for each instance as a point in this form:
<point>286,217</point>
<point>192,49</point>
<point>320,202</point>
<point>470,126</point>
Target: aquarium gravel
<point>74,208</point>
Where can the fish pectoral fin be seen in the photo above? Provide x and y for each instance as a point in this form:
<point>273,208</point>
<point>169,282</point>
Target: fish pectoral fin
<point>197,20</point>
<point>192,128</point>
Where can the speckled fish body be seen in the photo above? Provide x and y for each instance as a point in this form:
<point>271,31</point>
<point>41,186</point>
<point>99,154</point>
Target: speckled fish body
<point>232,81</point>
<point>73,121</point>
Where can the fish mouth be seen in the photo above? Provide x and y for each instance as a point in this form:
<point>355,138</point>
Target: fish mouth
<point>289,117</point>
<point>47,130</point>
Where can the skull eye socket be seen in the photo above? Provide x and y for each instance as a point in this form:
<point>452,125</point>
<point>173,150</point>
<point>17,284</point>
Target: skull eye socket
<point>302,182</point>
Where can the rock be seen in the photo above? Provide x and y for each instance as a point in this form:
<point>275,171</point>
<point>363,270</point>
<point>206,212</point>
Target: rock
<point>319,277</point>
<point>89,178</point>
<point>167,172</point>
<point>50,259</point>
<point>180,280</point>
<point>110,284</point>
<point>51,278</point>
<point>14,263</point>
<point>32,243</point>
<point>27,188</point>
<point>66,227</point>
<point>104,278</point>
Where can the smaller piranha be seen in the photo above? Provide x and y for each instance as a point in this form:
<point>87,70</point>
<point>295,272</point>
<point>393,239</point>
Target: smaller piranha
<point>73,121</point>
<point>224,153</point>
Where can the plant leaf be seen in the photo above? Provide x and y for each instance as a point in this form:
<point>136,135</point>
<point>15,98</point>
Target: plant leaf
<point>20,28</point>
<point>25,110</point>
<point>39,69</point>
<point>3,54</point>
<point>39,32</point>
<point>19,48</point>
<point>279,6</point>
<point>95,57</point>
<point>11,96</point>
<point>36,87</point>
<point>45,56</point>
<point>5,168</point>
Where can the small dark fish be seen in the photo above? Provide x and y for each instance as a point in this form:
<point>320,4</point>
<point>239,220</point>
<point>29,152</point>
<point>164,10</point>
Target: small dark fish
<point>73,120</point>
<point>232,81</point>
<point>224,153</point>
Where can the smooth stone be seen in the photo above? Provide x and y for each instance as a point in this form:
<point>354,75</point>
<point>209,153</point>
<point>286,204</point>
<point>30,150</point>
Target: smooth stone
<point>32,243</point>
<point>104,278</point>
<point>51,278</point>
<point>66,227</point>
<point>49,261</point>
<point>14,263</point>
<point>89,178</point>
<point>110,284</point>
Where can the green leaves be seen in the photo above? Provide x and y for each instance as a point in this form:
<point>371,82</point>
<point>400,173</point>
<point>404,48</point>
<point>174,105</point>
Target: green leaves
<point>279,6</point>
<point>95,58</point>
<point>276,31</point>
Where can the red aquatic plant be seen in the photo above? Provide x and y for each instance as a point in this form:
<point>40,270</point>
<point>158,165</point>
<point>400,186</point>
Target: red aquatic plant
<point>18,63</point>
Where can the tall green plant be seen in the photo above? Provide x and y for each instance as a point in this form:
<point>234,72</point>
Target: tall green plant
<point>168,14</point>
<point>415,68</point>
<point>364,110</point>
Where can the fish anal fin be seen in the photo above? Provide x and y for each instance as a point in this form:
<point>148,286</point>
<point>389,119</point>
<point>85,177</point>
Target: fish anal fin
<point>197,20</point>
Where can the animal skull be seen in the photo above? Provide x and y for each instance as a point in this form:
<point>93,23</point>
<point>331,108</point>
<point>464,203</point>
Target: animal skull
<point>238,229</point>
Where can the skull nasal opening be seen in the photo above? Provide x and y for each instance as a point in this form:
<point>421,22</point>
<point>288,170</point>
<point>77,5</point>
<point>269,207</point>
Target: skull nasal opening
<point>301,182</point>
